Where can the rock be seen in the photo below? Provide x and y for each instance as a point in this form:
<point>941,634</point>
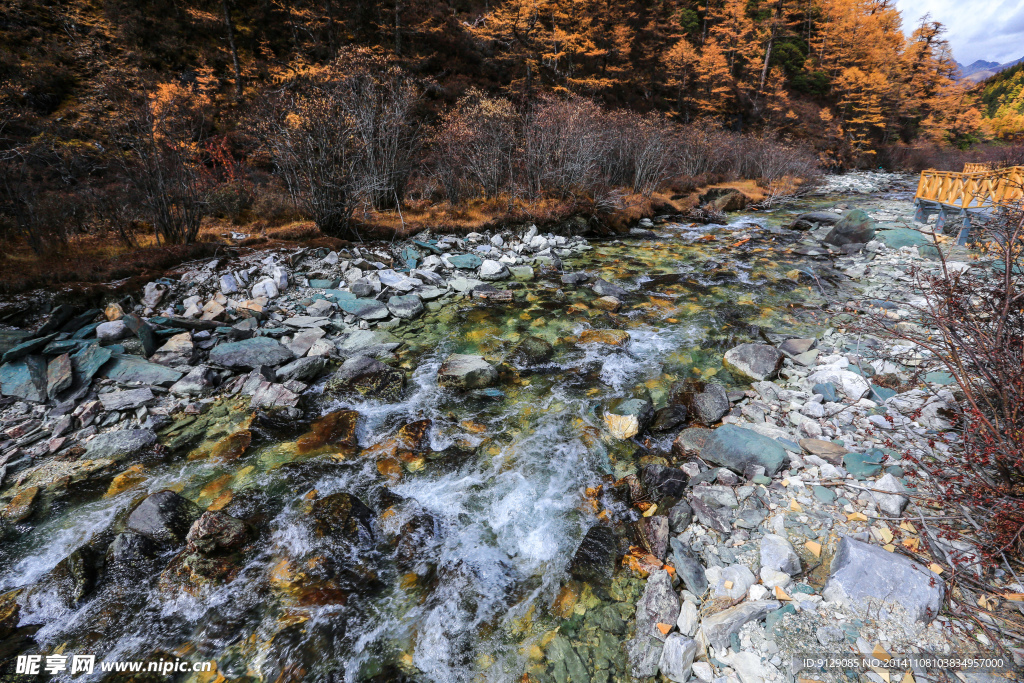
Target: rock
<point>607,303</point>
<point>677,657</point>
<point>364,309</point>
<point>853,385</point>
<point>199,381</point>
<point>679,517</point>
<point>178,350</point>
<point>126,400</point>
<point>20,506</point>
<point>87,361</point>
<point>711,516</point>
<point>493,270</point>
<point>305,369</point>
<point>342,516</point>
<point>660,481</point>
<point>406,307</point>
<point>594,560</point>
<point>862,576</point>
<point>691,440</point>
<point>250,353</point>
<point>602,288</point>
<point>832,452</point>
<point>465,261</point>
<point>153,294</point>
<point>644,655</point>
<point>303,340</point>
<point>213,310</point>
<point>132,553</point>
<point>668,418</point>
<point>113,331</point>
<point>628,418</point>
<point>619,338</point>
<point>748,665</point>
<point>777,553</point>
<point>688,567</point>
<point>863,465</point>
<point>810,221</point>
<point>521,273</point>
<point>855,227</point>
<point>368,377</point>
<point>827,391</point>
<point>25,378</point>
<point>574,278</point>
<point>656,533</point>
<point>228,284</point>
<point>706,403</point>
<point>216,531</point>
<point>273,395</point>
<point>658,605</point>
<point>718,628</point>
<point>335,429</point>
<point>164,518</point>
<point>704,672</point>
<point>265,288</point>
<point>891,503</point>
<point>724,199</point>
<point>903,237</point>
<point>738,448</point>
<point>738,577</point>
<point>120,444</point>
<point>397,282</point>
<point>464,371</point>
<point>143,331</point>
<point>113,312</point>
<point>531,351</point>
<point>59,375</point>
<point>756,362</point>
<point>368,343</point>
<point>688,619</point>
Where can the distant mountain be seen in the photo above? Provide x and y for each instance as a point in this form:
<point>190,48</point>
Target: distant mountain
<point>980,70</point>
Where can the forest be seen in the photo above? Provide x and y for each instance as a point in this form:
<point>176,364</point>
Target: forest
<point>146,119</point>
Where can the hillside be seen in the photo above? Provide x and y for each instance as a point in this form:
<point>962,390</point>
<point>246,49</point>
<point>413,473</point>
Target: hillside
<point>1002,101</point>
<point>981,70</point>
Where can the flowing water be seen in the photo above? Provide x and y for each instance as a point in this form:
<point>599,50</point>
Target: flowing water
<point>464,577</point>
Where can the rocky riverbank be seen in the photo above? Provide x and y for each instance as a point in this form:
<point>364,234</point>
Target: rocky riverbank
<point>669,455</point>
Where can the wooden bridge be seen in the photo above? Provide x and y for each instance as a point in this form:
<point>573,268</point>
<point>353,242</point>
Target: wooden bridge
<point>978,189</point>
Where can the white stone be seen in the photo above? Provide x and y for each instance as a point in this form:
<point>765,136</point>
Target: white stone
<point>740,577</point>
<point>493,270</point>
<point>892,503</point>
<point>280,277</point>
<point>688,618</point>
<point>331,258</point>
<point>112,331</point>
<point>267,288</point>
<point>677,657</point>
<point>228,284</point>
<point>757,592</point>
<point>703,671</point>
<point>771,578</point>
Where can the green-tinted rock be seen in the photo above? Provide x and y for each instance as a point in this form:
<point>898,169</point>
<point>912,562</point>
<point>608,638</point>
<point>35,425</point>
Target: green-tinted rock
<point>251,353</point>
<point>855,227</point>
<point>824,494</point>
<point>863,465</point>
<point>737,448</point>
<point>881,394</point>
<point>324,284</point>
<point>902,237</point>
<point>466,261</point>
<point>939,378</point>
<point>126,368</point>
<point>25,378</point>
<point>365,309</point>
<point>26,348</point>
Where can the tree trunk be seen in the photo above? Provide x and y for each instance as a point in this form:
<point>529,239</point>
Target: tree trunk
<point>234,50</point>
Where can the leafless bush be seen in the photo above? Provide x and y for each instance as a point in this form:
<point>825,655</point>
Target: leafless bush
<point>316,148</point>
<point>563,142</point>
<point>379,101</point>
<point>161,153</point>
<point>637,151</point>
<point>475,147</point>
<point>699,149</point>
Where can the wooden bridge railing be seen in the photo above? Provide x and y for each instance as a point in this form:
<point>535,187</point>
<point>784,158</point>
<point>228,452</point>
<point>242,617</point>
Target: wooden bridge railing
<point>972,190</point>
<point>943,192</point>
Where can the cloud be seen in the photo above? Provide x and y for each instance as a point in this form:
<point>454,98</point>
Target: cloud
<point>992,30</point>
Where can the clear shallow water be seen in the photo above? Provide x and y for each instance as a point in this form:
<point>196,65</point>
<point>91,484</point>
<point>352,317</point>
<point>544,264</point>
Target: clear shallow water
<point>498,506</point>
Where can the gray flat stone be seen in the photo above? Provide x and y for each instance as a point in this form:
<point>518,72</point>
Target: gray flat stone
<point>119,444</point>
<point>365,309</point>
<point>677,657</point>
<point>736,448</point>
<point>125,368</point>
<point>659,604</point>
<point>125,400</point>
<point>24,378</point>
<point>250,353</point>
<point>720,626</point>
<point>862,576</point>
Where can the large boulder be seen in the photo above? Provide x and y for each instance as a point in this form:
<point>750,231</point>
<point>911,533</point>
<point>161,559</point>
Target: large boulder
<point>463,371</point>
<point>737,448</point>
<point>756,362</point>
<point>367,376</point>
<point>660,481</point>
<point>777,554</point>
<point>164,518</point>
<point>531,351</point>
<point>856,227</point>
<point>864,576</point>
<point>407,306</point>
<point>251,353</point>
<point>724,199</point>
<point>705,403</point>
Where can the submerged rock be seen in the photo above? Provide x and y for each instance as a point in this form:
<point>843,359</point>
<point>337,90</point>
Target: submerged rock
<point>531,351</point>
<point>368,377</point>
<point>594,560</point>
<point>119,444</point>
<point>164,518</point>
<point>626,419</point>
<point>342,515</point>
<point>462,371</point>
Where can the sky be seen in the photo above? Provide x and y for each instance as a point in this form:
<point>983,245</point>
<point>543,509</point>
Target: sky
<point>992,30</point>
